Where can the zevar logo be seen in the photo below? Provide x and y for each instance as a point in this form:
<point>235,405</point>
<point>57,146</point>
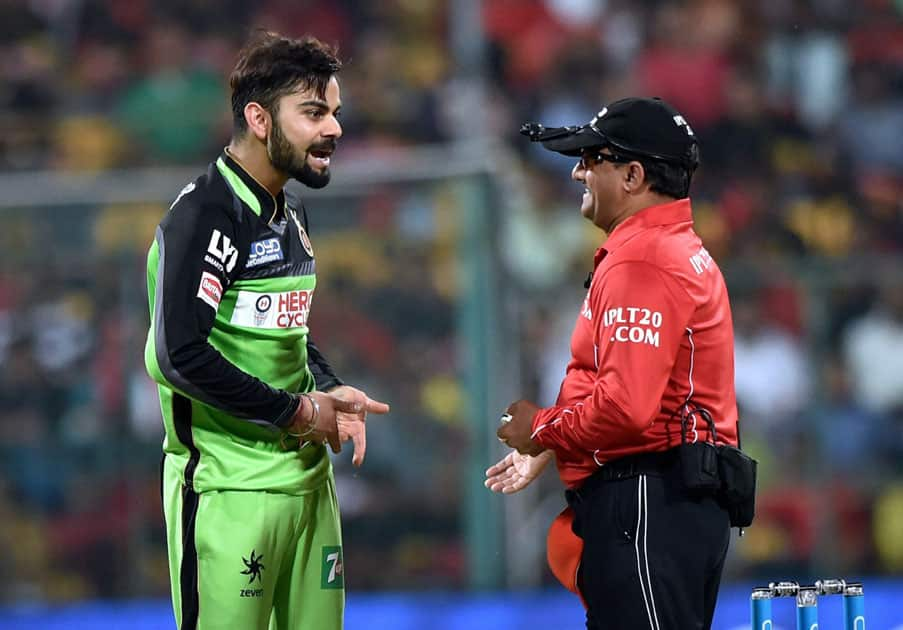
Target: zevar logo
<point>254,567</point>
<point>221,248</point>
<point>332,573</point>
<point>254,571</point>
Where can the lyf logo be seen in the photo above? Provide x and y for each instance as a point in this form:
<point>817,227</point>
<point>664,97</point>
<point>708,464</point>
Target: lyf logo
<point>221,249</point>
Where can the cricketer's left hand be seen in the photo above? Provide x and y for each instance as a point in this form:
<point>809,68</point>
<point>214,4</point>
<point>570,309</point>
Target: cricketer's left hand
<point>516,433</point>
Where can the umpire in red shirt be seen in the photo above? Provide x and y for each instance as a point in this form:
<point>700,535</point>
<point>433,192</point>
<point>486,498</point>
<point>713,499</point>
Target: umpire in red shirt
<point>652,367</point>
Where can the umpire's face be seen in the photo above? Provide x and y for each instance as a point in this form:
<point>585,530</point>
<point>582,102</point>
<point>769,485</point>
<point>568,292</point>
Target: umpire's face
<point>612,185</point>
<point>600,179</point>
<point>304,134</point>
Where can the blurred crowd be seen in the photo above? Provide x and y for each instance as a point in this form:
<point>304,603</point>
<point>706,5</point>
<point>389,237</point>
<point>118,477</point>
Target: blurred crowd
<point>798,105</point>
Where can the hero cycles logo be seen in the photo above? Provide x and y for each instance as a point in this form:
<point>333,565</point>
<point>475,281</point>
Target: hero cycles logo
<point>288,309</point>
<point>292,308</point>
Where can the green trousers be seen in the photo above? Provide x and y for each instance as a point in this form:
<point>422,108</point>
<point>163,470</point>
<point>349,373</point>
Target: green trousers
<point>254,560</point>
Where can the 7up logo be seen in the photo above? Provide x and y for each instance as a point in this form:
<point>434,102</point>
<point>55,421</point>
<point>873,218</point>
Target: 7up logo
<point>331,569</point>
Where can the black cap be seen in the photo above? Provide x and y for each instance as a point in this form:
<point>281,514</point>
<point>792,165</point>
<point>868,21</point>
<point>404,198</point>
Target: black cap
<point>645,127</point>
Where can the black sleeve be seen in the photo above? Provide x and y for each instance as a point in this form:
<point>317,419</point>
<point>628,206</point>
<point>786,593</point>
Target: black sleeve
<point>324,375</point>
<point>200,253</point>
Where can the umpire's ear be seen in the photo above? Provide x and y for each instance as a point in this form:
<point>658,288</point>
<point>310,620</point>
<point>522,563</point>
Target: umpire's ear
<point>634,177</point>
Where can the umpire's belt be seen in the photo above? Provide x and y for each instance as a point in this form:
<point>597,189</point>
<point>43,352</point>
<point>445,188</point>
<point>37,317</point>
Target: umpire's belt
<point>659,464</point>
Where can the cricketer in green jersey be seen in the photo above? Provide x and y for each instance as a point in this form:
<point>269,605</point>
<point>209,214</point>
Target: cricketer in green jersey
<point>248,401</point>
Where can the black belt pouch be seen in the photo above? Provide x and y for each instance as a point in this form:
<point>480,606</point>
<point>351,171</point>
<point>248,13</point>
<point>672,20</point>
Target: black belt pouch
<point>699,467</point>
<point>738,485</point>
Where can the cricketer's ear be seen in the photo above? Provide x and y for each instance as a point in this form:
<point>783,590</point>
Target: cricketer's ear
<point>258,120</point>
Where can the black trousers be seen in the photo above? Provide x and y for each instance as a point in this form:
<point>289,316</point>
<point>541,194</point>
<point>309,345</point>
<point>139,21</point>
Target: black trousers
<point>653,553</point>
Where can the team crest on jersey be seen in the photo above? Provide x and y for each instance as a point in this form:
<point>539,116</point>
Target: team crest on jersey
<point>302,234</point>
<point>305,241</point>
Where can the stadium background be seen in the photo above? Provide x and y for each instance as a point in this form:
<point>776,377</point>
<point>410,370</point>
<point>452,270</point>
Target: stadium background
<point>452,258</point>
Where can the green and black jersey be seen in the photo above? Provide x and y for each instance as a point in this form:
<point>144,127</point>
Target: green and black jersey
<point>230,280</point>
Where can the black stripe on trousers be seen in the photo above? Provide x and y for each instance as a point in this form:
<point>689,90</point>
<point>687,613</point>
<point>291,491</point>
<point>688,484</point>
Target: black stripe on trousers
<point>181,419</point>
<point>188,572</point>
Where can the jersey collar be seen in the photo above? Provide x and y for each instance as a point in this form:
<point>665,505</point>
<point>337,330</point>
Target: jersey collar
<point>678,211</point>
<point>249,190</point>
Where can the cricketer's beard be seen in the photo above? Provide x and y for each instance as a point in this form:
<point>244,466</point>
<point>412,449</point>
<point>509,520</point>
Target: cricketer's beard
<point>284,158</point>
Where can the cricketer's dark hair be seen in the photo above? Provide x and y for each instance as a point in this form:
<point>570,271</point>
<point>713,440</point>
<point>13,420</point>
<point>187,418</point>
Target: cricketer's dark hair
<point>272,65</point>
<point>666,178</point>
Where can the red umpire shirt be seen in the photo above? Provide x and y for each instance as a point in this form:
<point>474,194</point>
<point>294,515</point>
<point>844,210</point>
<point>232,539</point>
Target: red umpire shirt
<point>654,335</point>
